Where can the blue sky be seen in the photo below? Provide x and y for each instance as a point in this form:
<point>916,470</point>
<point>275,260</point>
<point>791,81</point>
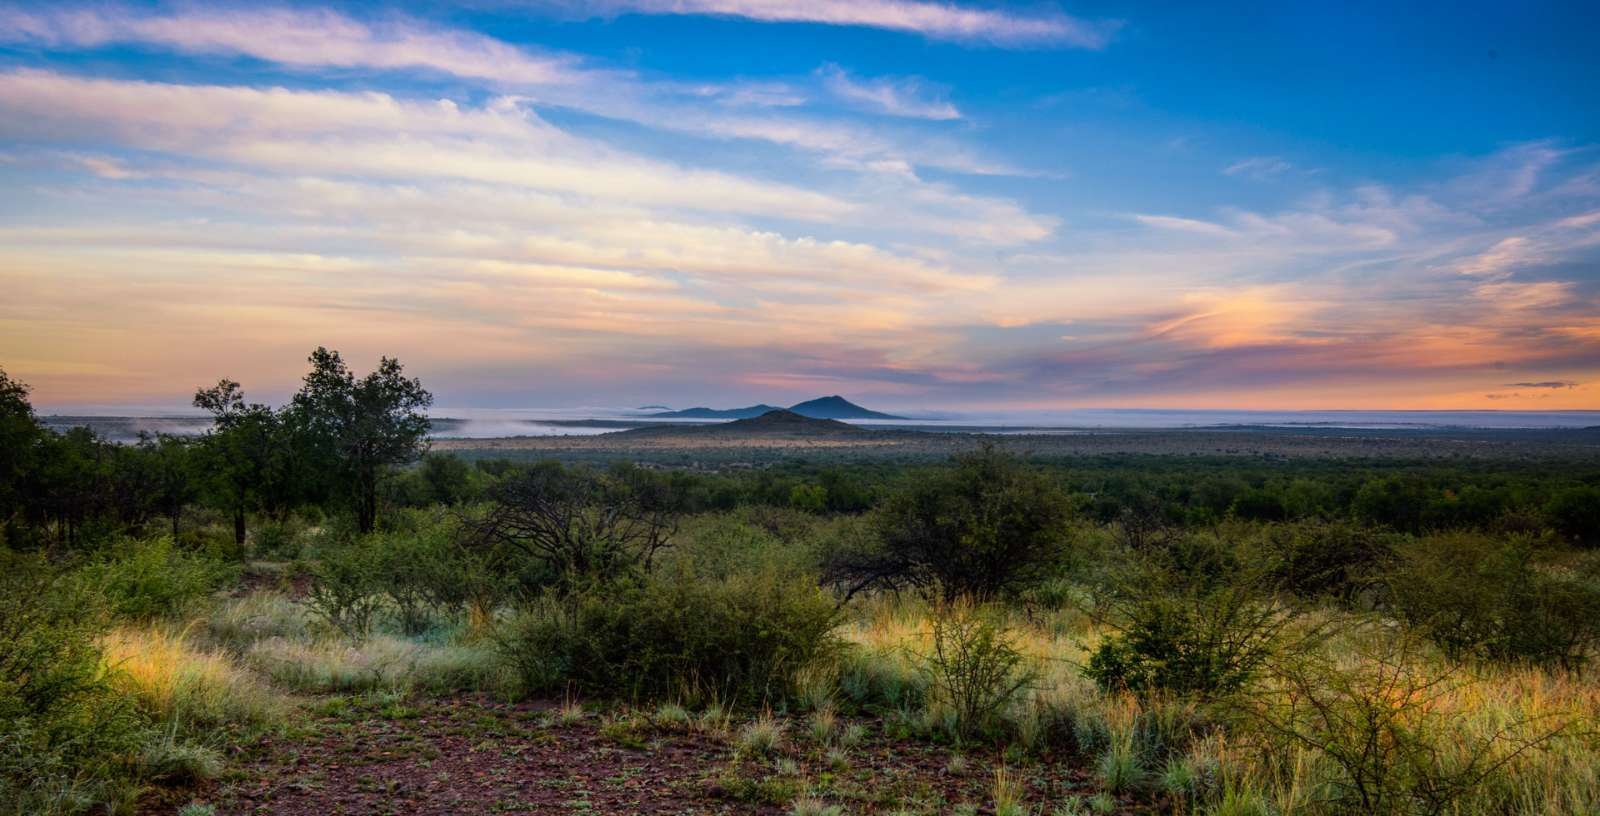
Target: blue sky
<point>1042,205</point>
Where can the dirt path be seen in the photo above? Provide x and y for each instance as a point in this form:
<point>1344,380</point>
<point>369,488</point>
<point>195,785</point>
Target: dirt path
<point>469,756</point>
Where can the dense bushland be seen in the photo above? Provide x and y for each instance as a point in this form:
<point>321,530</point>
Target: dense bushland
<point>1205,636</point>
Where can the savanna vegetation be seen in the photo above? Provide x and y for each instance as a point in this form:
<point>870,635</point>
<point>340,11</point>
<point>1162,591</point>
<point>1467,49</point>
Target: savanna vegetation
<point>990,634</point>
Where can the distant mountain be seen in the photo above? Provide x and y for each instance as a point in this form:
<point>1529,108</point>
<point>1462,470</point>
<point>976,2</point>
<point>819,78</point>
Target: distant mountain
<point>717,413</point>
<point>834,407</point>
<point>776,423</point>
<point>837,407</point>
<point>779,420</point>
<point>653,408</point>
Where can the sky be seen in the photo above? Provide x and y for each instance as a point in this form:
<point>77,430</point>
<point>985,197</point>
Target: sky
<point>918,205</point>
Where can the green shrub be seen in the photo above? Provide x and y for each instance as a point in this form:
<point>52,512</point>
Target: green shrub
<point>1476,595</point>
<point>1328,559</point>
<point>1575,514</point>
<point>66,735</point>
<point>1380,722</point>
<point>143,580</point>
<point>1391,501</point>
<point>278,540</point>
<point>974,669</point>
<point>345,591</point>
<point>551,528</point>
<point>419,574</point>
<point>986,526</point>
<point>675,636</point>
<point>1194,618</point>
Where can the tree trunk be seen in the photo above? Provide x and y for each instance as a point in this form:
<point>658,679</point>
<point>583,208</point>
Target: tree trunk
<point>238,527</point>
<point>367,507</point>
<point>175,515</point>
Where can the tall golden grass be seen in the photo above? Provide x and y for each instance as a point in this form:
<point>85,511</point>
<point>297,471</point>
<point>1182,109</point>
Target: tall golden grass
<point>175,680</point>
<point>1203,760</point>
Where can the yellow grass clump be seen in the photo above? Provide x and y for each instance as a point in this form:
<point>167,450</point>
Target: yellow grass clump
<point>175,681</point>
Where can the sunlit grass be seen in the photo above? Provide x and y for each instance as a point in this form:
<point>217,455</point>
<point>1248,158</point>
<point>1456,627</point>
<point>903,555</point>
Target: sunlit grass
<point>378,663</point>
<point>174,680</point>
<point>1197,756</point>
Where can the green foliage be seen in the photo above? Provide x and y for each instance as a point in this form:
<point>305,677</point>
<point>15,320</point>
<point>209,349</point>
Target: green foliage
<point>21,439</point>
<point>65,733</point>
<point>1493,598</point>
<point>1194,618</point>
<point>809,498</point>
<point>676,636</point>
<point>153,578</point>
<point>449,479</point>
<point>987,526</point>
<point>345,591</point>
<point>252,460</point>
<point>571,530</point>
<point>1378,722</point>
<point>362,427</point>
<point>424,574</point>
<point>1575,514</point>
<point>1392,501</point>
<point>1328,559</point>
<point>974,668</point>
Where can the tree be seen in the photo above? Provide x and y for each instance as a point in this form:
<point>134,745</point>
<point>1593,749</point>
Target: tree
<point>1575,513</point>
<point>365,426</point>
<point>1390,501</point>
<point>248,458</point>
<point>577,528</point>
<point>168,470</point>
<point>67,489</point>
<point>20,439</point>
<point>1195,614</point>
<point>986,526</point>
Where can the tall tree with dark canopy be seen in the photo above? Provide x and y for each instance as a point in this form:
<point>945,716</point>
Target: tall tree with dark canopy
<point>20,438</point>
<point>245,461</point>
<point>363,426</point>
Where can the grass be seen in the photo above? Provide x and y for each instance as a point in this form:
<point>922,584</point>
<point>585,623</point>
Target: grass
<point>812,806</point>
<point>1137,744</point>
<point>238,666</point>
<point>237,623</point>
<point>761,736</point>
<point>174,680</point>
<point>1008,794</point>
<point>334,664</point>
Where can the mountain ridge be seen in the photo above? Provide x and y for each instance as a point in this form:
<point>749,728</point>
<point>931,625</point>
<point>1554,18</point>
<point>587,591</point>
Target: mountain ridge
<point>829,407</point>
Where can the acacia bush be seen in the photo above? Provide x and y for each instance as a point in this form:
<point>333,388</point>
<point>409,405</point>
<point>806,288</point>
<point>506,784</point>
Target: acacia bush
<point>986,526</point>
<point>423,573</point>
<point>1194,616</point>
<point>345,592</point>
<point>567,530</point>
<point>1386,723</point>
<point>1575,514</point>
<point>739,638</point>
<point>1333,559</point>
<point>974,668</point>
<point>1496,598</point>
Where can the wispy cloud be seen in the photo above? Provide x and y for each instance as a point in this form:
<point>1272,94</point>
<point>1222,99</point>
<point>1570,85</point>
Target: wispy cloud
<point>375,134</point>
<point>290,36</point>
<point>1258,167</point>
<point>315,40</point>
<point>905,96</point>
<point>937,21</point>
<point>1544,384</point>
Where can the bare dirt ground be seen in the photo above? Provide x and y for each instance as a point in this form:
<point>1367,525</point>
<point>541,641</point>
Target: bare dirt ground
<point>471,756</point>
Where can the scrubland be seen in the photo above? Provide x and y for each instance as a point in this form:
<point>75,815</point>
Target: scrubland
<point>975,641</point>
